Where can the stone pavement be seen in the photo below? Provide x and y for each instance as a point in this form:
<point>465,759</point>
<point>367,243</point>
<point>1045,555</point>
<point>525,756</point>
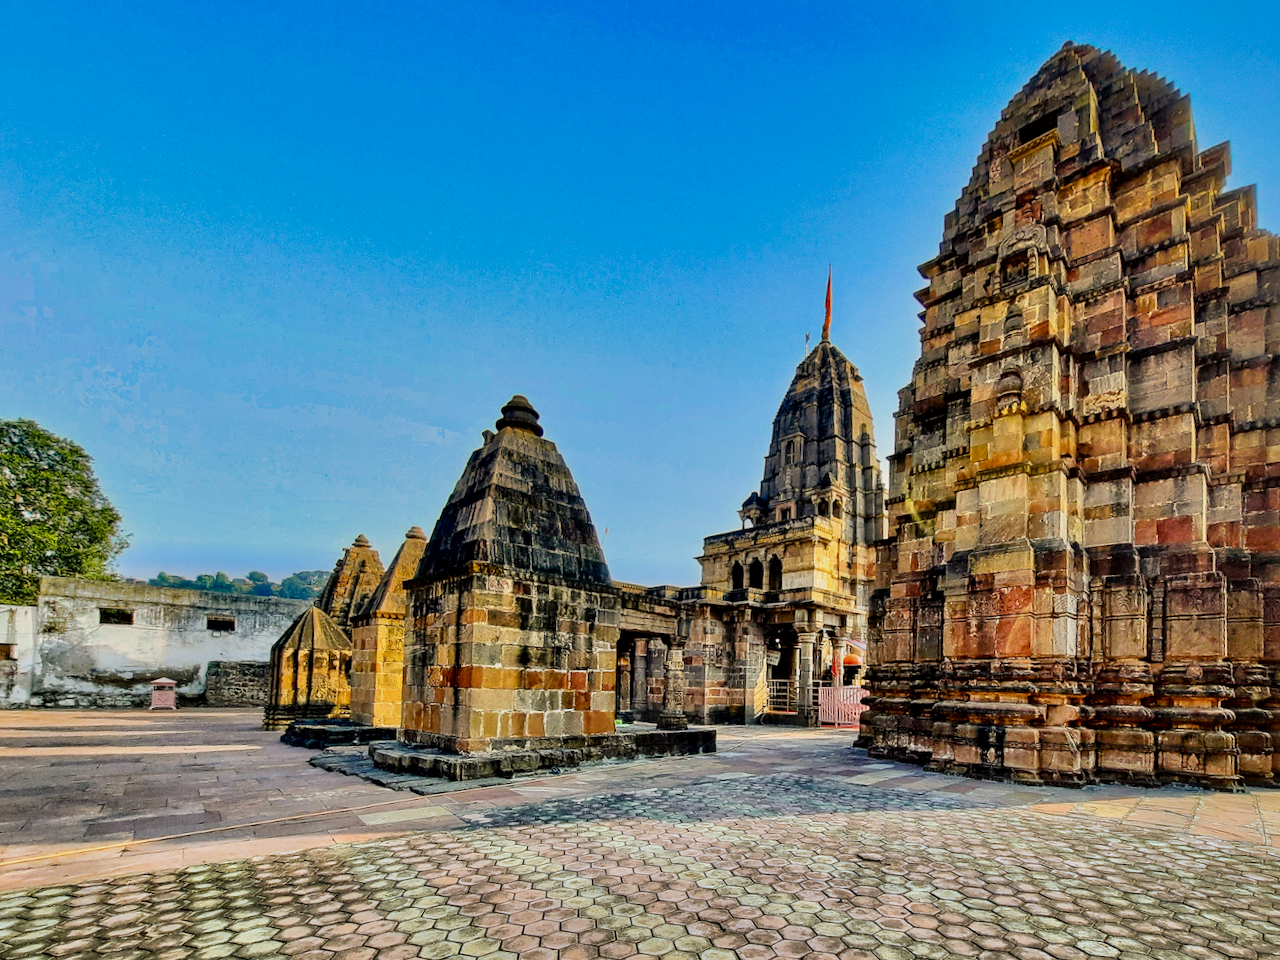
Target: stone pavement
<point>787,844</point>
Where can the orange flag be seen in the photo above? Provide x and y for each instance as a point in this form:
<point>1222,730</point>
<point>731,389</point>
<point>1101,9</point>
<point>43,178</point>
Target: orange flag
<point>826,325</point>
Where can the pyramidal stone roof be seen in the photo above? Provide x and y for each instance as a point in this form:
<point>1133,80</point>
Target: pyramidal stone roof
<point>355,576</point>
<point>516,506</point>
<point>390,597</point>
<point>826,406</point>
<point>1132,117</point>
<point>313,630</point>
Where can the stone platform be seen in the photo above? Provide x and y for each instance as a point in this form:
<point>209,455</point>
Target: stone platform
<point>319,734</point>
<point>542,754</point>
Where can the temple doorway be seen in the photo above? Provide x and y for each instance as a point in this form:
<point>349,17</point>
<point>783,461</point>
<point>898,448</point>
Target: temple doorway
<point>782,671</point>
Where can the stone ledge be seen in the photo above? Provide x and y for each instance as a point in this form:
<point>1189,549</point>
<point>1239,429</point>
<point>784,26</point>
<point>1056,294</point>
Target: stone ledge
<point>353,761</point>
<point>429,762</point>
<point>319,734</point>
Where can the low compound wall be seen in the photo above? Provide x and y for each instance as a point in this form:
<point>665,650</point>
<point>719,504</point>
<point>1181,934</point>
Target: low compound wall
<point>95,643</point>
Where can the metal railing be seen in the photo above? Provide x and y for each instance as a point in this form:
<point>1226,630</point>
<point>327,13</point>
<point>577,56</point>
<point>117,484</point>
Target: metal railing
<point>782,696</point>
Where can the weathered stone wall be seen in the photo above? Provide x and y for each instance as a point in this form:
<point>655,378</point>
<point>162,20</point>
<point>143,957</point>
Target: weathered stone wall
<point>1084,478</point>
<point>18,632</point>
<point>237,683</point>
<point>81,658</point>
<point>377,671</point>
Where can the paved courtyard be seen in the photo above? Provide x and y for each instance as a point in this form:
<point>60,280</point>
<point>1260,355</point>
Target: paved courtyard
<point>196,835</point>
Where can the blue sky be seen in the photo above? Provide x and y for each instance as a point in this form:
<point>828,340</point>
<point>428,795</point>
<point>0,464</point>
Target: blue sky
<point>275,266</point>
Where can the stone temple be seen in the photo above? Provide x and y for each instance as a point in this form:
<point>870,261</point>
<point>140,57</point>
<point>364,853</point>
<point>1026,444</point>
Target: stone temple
<point>790,592</point>
<point>502,644</point>
<point>1083,579</point>
<point>1073,576</point>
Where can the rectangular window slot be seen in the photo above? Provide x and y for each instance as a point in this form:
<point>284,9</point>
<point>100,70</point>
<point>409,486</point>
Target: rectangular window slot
<point>222,624</point>
<point>7,651</point>
<point>1038,128</point>
<point>113,615</point>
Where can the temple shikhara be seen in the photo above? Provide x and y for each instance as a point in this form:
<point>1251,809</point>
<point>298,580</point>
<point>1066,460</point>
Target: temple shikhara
<point>1085,482</point>
<point>1073,575</point>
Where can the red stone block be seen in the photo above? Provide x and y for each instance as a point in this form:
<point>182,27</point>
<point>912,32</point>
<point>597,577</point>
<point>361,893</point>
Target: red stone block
<point>1176,530</point>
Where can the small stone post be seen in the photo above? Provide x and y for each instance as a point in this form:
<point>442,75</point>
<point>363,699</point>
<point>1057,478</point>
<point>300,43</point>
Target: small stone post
<point>672,717</point>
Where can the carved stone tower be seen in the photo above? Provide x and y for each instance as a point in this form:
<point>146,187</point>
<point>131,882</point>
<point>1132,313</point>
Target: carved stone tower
<point>1084,480</point>
<point>355,576</point>
<point>377,656</point>
<point>797,578</point>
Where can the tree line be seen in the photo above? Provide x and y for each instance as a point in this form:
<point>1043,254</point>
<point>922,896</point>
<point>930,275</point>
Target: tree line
<point>303,585</point>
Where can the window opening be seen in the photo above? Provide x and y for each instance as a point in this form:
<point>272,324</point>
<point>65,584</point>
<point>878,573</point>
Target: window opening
<point>1037,128</point>
<point>116,616</point>
<point>775,574</point>
<point>736,576</point>
<point>222,624</point>
<point>757,575</point>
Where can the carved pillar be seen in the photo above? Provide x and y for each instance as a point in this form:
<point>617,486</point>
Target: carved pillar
<point>837,661</point>
<point>640,679</point>
<point>806,705</point>
<point>672,717</point>
<point>622,689</point>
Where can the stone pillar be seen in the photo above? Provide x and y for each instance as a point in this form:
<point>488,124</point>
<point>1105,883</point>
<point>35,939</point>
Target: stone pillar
<point>806,703</point>
<point>838,647</point>
<point>672,717</point>
<point>640,679</point>
<point>622,690</point>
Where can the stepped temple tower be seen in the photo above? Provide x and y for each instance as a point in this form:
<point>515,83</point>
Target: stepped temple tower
<point>795,583</point>
<point>514,623</point>
<point>354,579</point>
<point>1085,486</point>
<point>377,636</point>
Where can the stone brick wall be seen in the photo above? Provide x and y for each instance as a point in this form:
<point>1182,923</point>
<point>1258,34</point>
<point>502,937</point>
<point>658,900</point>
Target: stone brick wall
<point>237,683</point>
<point>504,658</point>
<point>377,671</point>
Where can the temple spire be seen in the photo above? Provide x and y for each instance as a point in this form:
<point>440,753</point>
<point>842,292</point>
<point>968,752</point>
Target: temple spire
<point>826,324</point>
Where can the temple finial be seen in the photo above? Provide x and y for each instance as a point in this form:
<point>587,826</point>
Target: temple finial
<point>826,324</point>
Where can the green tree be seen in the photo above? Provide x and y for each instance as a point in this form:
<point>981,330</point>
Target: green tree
<point>261,584</point>
<point>54,519</point>
<point>303,585</point>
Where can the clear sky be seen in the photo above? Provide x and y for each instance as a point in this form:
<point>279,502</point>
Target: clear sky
<point>275,266</point>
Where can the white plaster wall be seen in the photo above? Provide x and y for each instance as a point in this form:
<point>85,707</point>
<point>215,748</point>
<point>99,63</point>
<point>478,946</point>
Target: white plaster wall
<point>82,662</point>
<point>17,630</point>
